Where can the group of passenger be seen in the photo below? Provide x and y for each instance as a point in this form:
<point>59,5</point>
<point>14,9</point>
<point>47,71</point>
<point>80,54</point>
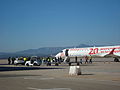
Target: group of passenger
<point>49,60</point>
<point>11,60</point>
<point>44,60</point>
<point>88,59</point>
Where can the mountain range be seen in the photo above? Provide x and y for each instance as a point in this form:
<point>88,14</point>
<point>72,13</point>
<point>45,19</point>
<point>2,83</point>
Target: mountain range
<point>45,51</point>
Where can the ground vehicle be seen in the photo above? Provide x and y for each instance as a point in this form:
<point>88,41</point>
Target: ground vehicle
<point>34,61</point>
<point>19,61</point>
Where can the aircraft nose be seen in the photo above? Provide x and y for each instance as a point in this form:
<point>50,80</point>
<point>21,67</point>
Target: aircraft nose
<point>58,55</point>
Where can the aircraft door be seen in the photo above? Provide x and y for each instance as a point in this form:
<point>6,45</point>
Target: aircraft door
<point>66,52</point>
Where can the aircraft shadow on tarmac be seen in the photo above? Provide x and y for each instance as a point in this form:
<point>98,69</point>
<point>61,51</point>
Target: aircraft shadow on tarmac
<point>25,68</point>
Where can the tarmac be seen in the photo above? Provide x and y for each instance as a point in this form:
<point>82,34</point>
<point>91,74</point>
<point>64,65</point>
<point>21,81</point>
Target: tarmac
<point>96,76</point>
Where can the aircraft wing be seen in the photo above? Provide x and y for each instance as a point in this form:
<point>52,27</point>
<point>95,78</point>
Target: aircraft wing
<point>111,55</point>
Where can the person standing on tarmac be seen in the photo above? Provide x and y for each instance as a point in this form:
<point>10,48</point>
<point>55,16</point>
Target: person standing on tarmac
<point>13,59</point>
<point>81,61</point>
<point>25,59</point>
<point>48,61</point>
<point>86,59</point>
<point>90,59</point>
<point>9,60</point>
<point>76,59</point>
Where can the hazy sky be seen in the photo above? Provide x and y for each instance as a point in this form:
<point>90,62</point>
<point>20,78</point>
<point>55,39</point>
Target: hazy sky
<point>29,24</point>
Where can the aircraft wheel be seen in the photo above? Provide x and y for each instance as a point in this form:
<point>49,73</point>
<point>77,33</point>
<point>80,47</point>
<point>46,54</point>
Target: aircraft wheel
<point>27,64</point>
<point>35,64</point>
<point>116,60</point>
<point>78,63</point>
<point>69,64</point>
<point>23,63</point>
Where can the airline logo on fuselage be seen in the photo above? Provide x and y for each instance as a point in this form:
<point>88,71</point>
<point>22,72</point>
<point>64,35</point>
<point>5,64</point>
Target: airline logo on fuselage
<point>97,50</point>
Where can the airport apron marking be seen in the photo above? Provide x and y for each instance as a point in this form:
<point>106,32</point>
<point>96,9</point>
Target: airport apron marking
<point>49,89</point>
<point>37,78</point>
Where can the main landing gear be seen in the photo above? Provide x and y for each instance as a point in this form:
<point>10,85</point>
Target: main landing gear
<point>116,59</point>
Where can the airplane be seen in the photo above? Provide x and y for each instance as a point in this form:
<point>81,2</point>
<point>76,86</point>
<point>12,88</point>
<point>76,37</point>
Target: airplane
<point>105,51</point>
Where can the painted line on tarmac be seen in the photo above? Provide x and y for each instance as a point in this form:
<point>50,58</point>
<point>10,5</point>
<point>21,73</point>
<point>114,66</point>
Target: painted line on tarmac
<point>107,82</point>
<point>49,89</point>
<point>37,78</point>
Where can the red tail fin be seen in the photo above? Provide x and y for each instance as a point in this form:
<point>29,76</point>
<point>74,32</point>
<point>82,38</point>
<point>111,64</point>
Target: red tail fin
<point>112,51</point>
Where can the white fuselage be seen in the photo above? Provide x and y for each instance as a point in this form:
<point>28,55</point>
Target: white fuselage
<point>106,51</point>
